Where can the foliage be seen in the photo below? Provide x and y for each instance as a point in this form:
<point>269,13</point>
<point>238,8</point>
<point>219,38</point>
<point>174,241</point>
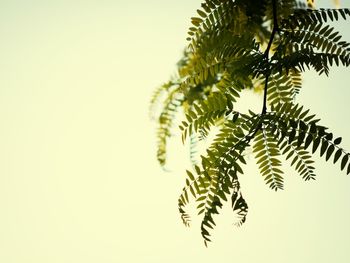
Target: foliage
<point>244,44</point>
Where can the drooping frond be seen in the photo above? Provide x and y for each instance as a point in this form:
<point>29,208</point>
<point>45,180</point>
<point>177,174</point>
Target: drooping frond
<point>158,94</point>
<point>302,129</point>
<point>202,116</point>
<point>165,121</point>
<point>283,88</point>
<point>306,42</point>
<point>194,140</point>
<point>239,205</point>
<point>280,89</point>
<point>213,15</point>
<point>267,157</point>
<point>296,82</point>
<point>311,16</point>
<point>301,158</point>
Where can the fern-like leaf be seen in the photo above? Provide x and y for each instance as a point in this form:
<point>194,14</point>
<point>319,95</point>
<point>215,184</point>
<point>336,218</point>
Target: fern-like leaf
<point>266,154</point>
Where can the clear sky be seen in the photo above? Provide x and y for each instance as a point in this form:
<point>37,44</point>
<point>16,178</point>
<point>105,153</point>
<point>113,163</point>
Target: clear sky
<point>79,181</point>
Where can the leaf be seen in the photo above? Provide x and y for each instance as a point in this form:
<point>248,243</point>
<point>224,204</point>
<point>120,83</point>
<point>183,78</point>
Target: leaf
<point>329,151</point>
<point>301,138</point>
<point>198,170</point>
<point>337,155</point>
<point>201,13</point>
<point>344,161</point>
<point>308,141</point>
<point>291,136</point>
<point>190,175</point>
<point>316,144</point>
<point>192,191</point>
<point>337,141</point>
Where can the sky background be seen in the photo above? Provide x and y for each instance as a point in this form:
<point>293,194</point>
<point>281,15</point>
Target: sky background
<point>79,181</point>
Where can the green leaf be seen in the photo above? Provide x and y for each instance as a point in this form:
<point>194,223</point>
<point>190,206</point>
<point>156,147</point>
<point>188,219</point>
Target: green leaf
<point>198,170</point>
<point>316,144</point>
<point>190,175</point>
<point>308,141</point>
<point>301,138</point>
<point>344,161</point>
<point>337,155</point>
<point>291,136</point>
<point>329,151</point>
<point>324,147</point>
<point>192,191</point>
<point>337,141</point>
<point>201,13</point>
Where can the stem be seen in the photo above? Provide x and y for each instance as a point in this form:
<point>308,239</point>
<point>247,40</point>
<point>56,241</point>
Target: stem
<point>266,53</point>
<point>263,112</point>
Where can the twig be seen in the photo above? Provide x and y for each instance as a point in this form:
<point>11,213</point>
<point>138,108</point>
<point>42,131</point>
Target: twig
<point>267,51</point>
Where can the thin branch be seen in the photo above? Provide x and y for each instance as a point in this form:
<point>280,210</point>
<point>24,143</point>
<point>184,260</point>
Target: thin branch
<point>263,112</point>
<point>267,51</point>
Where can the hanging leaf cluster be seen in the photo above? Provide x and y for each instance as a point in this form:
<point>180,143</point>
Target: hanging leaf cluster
<point>235,45</point>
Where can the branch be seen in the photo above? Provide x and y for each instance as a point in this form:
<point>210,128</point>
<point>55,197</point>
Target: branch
<point>266,53</point>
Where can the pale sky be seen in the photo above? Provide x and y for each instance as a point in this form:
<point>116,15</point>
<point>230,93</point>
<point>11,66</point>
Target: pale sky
<point>79,181</point>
